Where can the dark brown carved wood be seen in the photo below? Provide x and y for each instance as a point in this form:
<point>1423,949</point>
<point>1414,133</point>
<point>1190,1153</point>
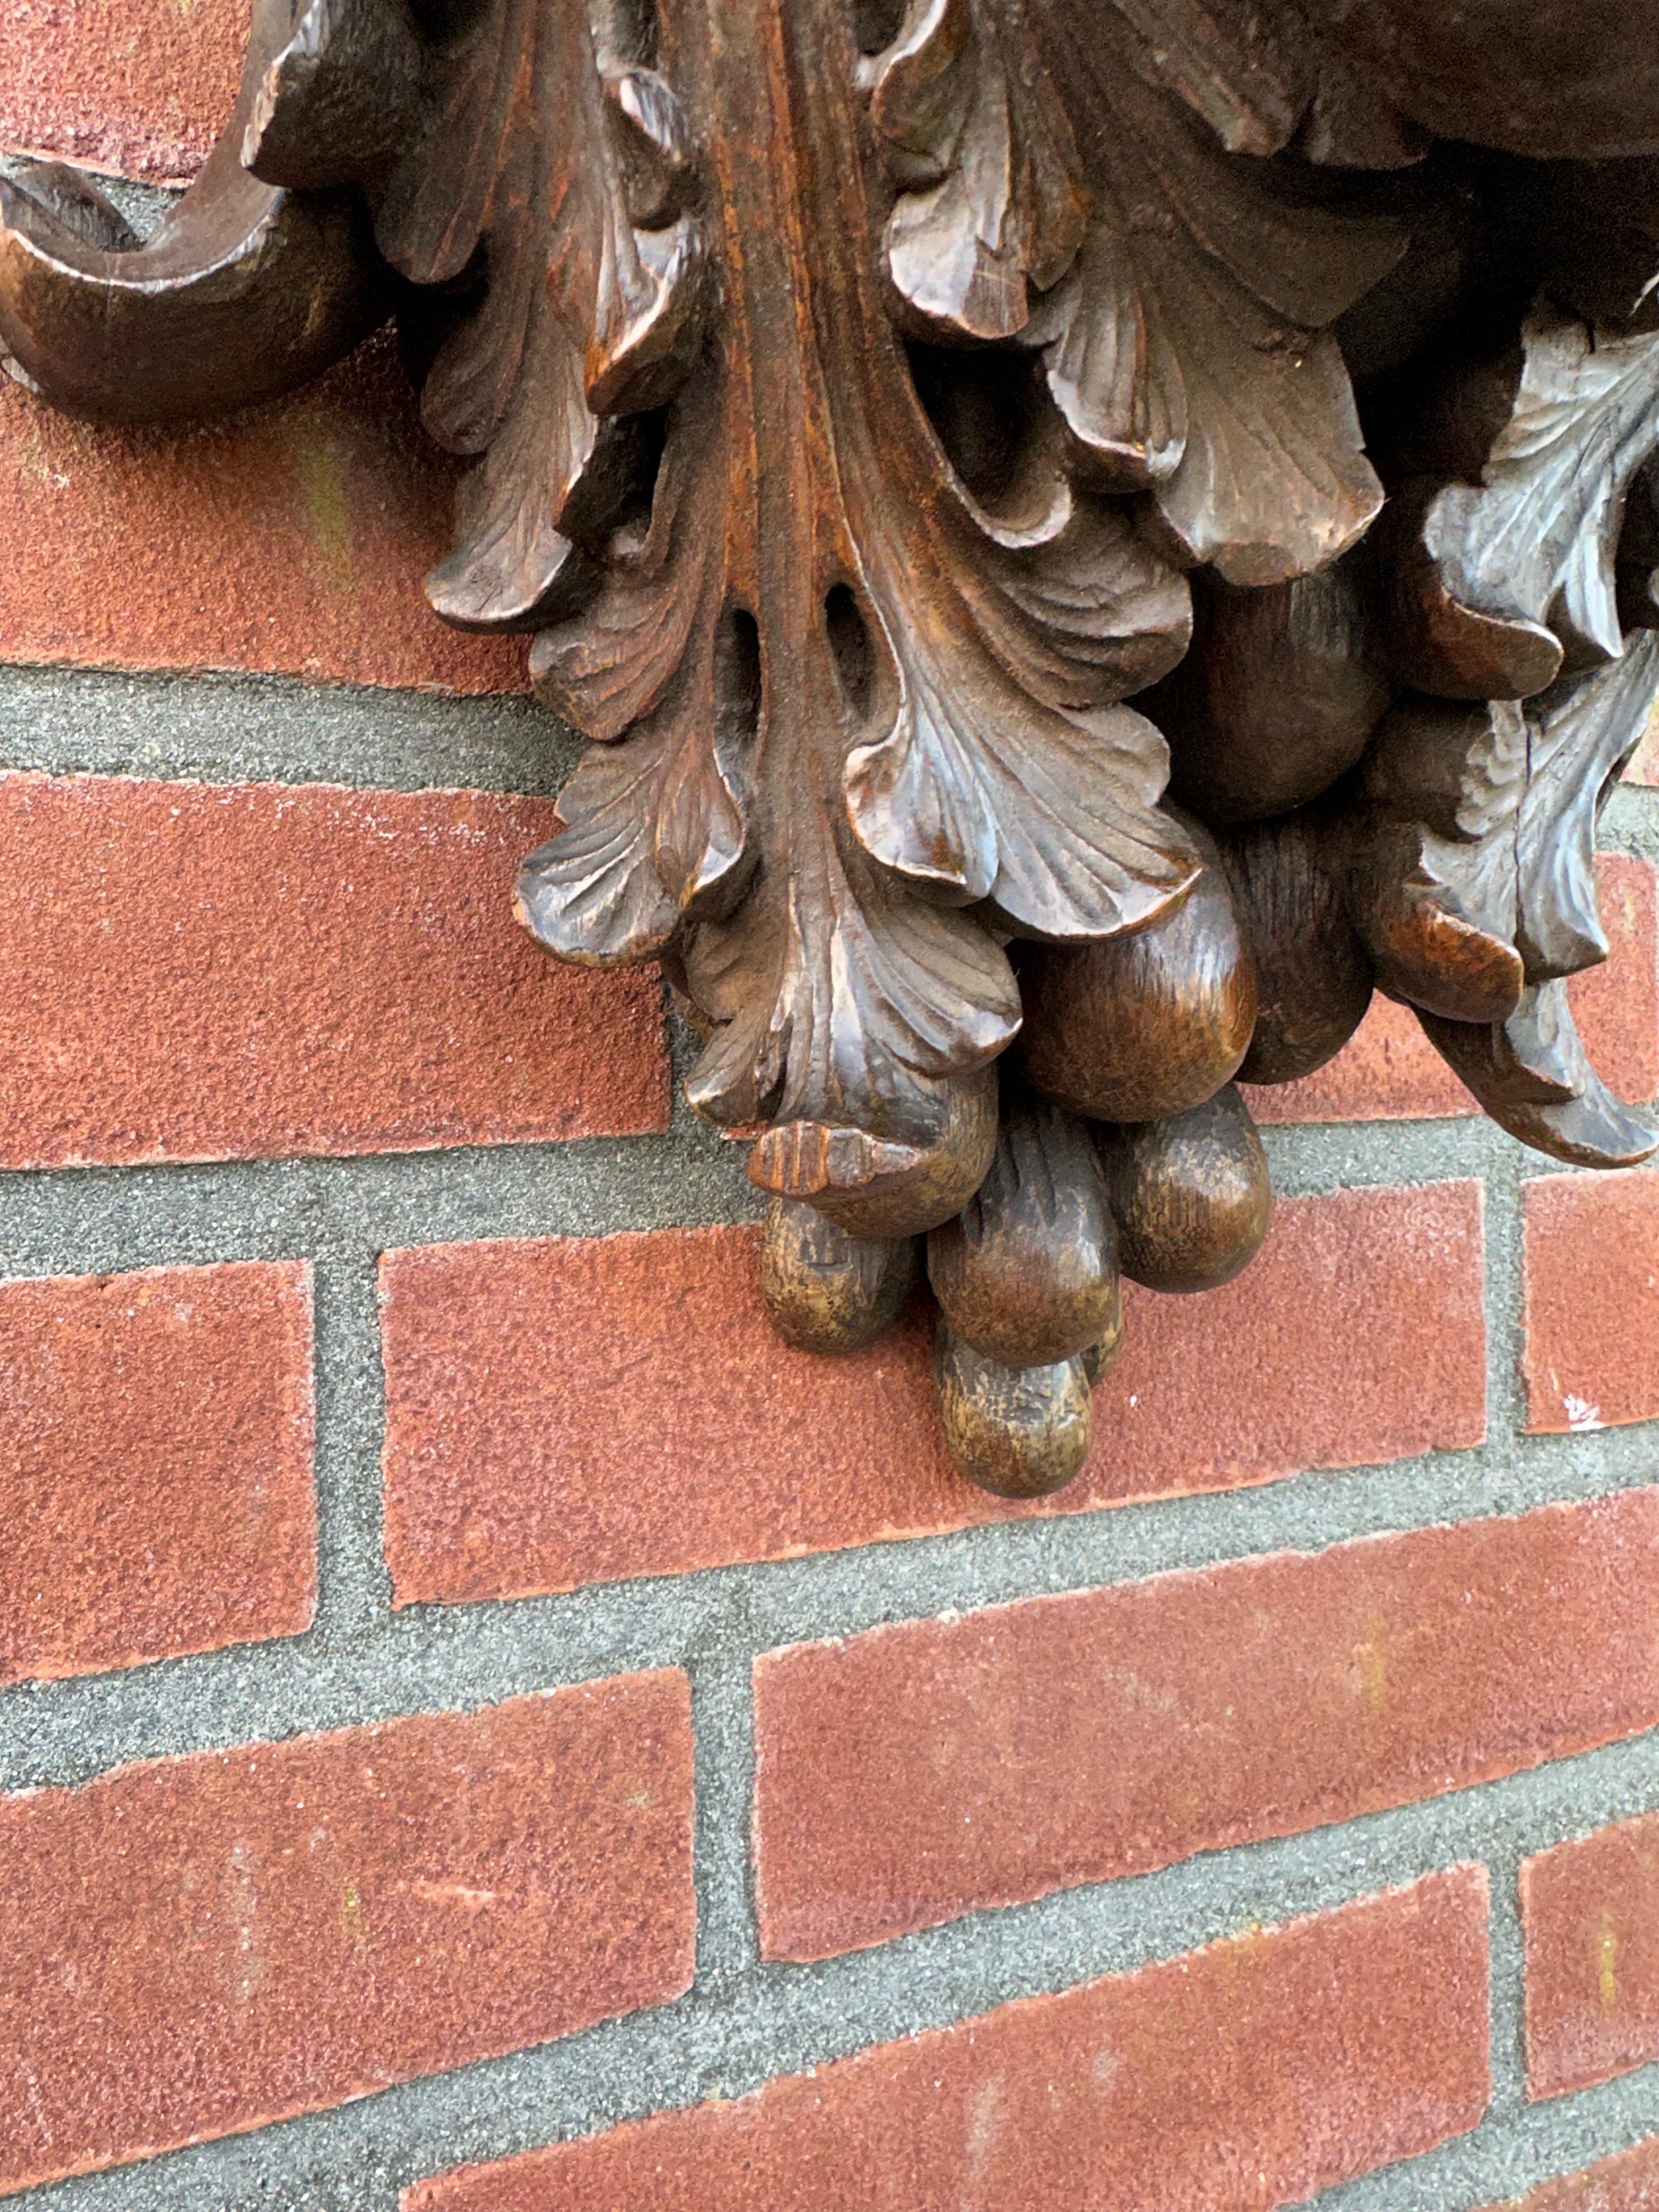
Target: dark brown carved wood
<point>914,434</point>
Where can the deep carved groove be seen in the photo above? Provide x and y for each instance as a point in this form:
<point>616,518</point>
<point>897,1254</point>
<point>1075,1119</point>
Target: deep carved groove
<point>739,687</point>
<point>984,408</point>
<point>854,652</point>
<point>877,23</point>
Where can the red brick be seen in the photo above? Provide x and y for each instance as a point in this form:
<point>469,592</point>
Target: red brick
<point>119,84</point>
<point>206,1944</point>
<point>919,1772</point>
<point>156,1465</point>
<point>232,971</point>
<point>1629,2182</point>
<point>1591,1915</point>
<point>1616,1005</point>
<point>1245,2075</point>
<point>291,539</point>
<point>1592,1300</point>
<point>1387,1071</point>
<point>1644,769</point>
<point>1391,1073</point>
<point>564,1411</point>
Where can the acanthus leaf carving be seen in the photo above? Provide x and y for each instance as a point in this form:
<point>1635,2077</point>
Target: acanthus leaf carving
<point>1507,572</point>
<point>580,289</point>
<point>1580,736</point>
<point>927,719</point>
<point>1006,773</point>
<point>1189,290</point>
<point>847,386</point>
<point>974,129</point>
<point>1436,877</point>
<point>1532,1074</point>
<point>1265,80</point>
<point>1476,896</point>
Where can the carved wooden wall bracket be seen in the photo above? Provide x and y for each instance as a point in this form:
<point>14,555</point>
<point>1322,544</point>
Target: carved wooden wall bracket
<point>866,400</point>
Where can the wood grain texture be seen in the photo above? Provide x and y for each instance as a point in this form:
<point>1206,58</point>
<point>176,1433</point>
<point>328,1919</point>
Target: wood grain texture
<point>1027,1272</point>
<point>916,432</point>
<point>1135,1027</point>
<point>1277,696</point>
<point>1289,879</point>
<point>1018,1431</point>
<point>825,1291</point>
<point>1191,1195</point>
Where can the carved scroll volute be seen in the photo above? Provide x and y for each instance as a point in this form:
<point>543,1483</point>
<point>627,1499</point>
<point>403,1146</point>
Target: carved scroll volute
<point>243,292</point>
<point>892,419</point>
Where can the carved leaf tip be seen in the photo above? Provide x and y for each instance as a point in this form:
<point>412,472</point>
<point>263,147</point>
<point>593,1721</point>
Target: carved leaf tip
<point>544,195</point>
<point>1052,821</point>
<point>1533,1076</point>
<point>993,202</point>
<point>1504,568</point>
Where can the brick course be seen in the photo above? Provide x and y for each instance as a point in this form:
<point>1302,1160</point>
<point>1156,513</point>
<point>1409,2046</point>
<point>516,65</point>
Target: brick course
<point>206,1944</point>
<point>525,1364</point>
<point>248,971</point>
<point>289,540</point>
<point>156,1465</point>
<point>921,1771</point>
<point>1591,1911</point>
<point>216,1940</point>
<point>1248,2075</point>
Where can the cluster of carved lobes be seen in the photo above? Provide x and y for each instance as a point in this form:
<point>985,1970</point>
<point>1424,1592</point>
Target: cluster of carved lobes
<point>1117,1141</point>
<point>863,401</point>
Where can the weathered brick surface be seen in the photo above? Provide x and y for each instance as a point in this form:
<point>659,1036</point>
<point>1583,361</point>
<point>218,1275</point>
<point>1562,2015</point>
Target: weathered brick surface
<point>213,1942</point>
<point>1629,2182</point>
<point>1591,1912</point>
<point>291,539</point>
<point>1390,1072</point>
<point>918,1771</point>
<point>1387,1071</point>
<point>1250,2074</point>
<point>1644,769</point>
<point>247,970</point>
<point>562,1412</point>
<point>117,84</point>
<point>156,1465</point>
<point>1592,1299</point>
<point>208,1943</point>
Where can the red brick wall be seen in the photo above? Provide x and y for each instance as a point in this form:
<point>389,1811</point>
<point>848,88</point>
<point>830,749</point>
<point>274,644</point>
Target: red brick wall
<point>481,1722</point>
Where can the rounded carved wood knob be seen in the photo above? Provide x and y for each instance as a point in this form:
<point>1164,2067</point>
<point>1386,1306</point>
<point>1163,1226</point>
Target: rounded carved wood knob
<point>1314,978</point>
<point>1027,1272</point>
<point>1134,1027</point>
<point>1277,697</point>
<point>1190,1194</point>
<point>873,1186</point>
<point>826,1291</point>
<point>1018,1431</point>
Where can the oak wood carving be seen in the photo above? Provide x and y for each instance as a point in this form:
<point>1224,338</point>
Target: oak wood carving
<point>914,436</point>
